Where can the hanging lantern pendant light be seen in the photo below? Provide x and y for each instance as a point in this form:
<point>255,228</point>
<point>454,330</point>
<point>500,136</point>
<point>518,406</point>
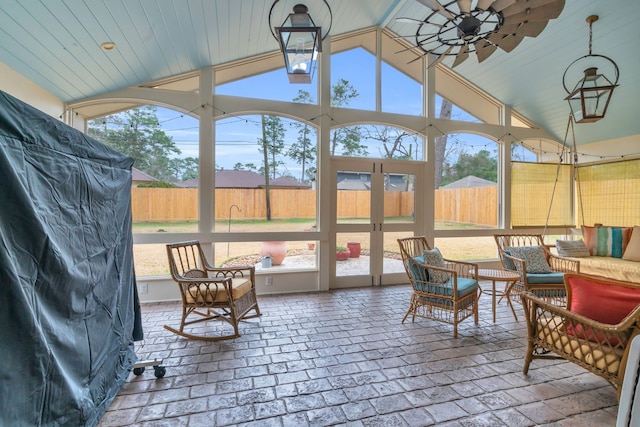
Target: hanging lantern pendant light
<point>300,41</point>
<point>590,97</point>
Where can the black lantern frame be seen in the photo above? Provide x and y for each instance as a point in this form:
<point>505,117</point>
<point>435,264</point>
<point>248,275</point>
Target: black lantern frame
<point>300,41</point>
<point>590,97</point>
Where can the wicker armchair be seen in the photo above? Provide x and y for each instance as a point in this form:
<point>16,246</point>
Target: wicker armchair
<point>209,293</point>
<point>602,348</point>
<point>548,286</point>
<point>449,301</point>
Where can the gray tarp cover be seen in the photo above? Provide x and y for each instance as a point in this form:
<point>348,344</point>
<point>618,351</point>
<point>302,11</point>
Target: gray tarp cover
<point>68,304</point>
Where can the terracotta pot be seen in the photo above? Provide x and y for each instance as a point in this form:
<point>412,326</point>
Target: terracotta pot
<point>276,250</point>
<point>343,255</point>
<point>354,247</point>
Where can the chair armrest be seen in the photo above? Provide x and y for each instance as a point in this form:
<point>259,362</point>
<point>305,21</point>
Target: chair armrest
<point>521,265</point>
<point>225,281</point>
<point>539,313</point>
<point>463,268</point>
<point>240,271</point>
<point>563,264</point>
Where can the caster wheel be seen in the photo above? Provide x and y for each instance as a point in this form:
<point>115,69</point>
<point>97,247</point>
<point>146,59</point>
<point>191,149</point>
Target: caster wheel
<point>138,371</point>
<point>159,371</point>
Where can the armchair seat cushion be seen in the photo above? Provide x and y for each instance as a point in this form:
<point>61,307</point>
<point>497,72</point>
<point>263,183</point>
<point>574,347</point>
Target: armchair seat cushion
<point>212,293</point>
<point>545,278</point>
<point>465,287</point>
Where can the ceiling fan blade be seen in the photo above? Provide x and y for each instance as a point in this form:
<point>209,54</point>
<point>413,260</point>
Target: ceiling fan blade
<point>441,57</point>
<point>522,6</point>
<point>436,7</point>
<point>464,5</point>
<point>484,49</point>
<point>416,59</point>
<point>527,29</point>
<point>484,4</point>
<point>409,21</point>
<point>505,42</point>
<point>498,5</point>
<point>462,55</point>
<point>543,13</point>
<point>403,37</point>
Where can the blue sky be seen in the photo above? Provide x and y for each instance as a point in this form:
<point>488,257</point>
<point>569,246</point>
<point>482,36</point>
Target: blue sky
<point>237,137</point>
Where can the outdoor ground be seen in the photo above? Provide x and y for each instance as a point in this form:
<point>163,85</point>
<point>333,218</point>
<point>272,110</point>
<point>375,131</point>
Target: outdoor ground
<point>152,259</point>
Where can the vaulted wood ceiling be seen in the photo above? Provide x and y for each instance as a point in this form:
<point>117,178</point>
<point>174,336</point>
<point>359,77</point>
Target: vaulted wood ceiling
<point>56,44</point>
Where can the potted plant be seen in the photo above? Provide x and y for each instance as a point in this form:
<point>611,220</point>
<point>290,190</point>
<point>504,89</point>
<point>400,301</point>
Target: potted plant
<point>342,253</point>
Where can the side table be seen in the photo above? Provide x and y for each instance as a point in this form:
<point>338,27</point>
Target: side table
<point>509,277</point>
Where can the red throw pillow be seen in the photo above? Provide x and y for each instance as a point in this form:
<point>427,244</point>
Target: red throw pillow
<point>601,301</point>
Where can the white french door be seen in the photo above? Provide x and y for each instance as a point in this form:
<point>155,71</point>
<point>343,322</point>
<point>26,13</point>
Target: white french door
<point>374,203</point>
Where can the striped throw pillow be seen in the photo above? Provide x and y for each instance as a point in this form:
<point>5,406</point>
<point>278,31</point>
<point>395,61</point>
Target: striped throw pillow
<point>606,241</point>
<point>572,248</point>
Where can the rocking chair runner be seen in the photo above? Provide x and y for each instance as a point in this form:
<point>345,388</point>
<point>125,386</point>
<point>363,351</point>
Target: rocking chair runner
<point>227,294</point>
<point>451,300</point>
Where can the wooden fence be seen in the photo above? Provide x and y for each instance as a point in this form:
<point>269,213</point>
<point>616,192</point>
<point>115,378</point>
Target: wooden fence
<point>476,205</point>
<point>473,205</point>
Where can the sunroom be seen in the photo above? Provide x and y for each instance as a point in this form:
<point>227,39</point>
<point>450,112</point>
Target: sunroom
<point>420,130</point>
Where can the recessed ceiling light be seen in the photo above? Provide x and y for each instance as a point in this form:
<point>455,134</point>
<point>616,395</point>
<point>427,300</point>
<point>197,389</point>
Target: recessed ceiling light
<point>108,46</point>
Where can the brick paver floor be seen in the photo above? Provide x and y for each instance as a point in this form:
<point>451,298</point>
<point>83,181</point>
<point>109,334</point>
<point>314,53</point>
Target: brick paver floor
<point>344,358</point>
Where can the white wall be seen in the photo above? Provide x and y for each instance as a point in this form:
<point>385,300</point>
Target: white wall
<point>25,90</point>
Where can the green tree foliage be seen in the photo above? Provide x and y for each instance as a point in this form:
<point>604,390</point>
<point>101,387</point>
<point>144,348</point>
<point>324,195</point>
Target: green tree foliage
<point>157,184</point>
<point>482,164</point>
<point>304,151</point>
<point>271,145</point>
<point>345,141</point>
<point>138,134</point>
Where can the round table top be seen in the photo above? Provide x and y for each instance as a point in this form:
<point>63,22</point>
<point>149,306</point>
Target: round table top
<point>495,274</point>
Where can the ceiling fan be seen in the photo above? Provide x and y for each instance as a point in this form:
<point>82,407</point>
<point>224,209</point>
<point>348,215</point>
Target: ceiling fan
<point>460,27</point>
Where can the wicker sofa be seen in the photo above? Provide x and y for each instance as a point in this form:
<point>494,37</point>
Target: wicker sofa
<point>602,258</point>
<point>595,329</point>
<point>614,268</point>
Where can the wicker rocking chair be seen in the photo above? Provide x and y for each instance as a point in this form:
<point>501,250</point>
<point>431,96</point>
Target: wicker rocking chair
<point>450,300</point>
<point>227,294</point>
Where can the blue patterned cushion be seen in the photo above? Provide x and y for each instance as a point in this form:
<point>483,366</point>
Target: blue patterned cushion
<point>434,258</point>
<point>533,256</point>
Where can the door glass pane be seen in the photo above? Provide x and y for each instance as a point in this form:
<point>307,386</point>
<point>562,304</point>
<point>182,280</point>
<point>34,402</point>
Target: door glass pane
<point>353,197</point>
<point>392,261</point>
<point>399,198</point>
<point>352,254</point>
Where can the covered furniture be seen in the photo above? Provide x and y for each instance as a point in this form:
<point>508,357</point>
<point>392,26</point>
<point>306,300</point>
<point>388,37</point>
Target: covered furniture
<point>443,290</point>
<point>70,312</point>
<point>595,329</point>
<point>541,272</point>
<point>629,407</point>
<point>209,293</point>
